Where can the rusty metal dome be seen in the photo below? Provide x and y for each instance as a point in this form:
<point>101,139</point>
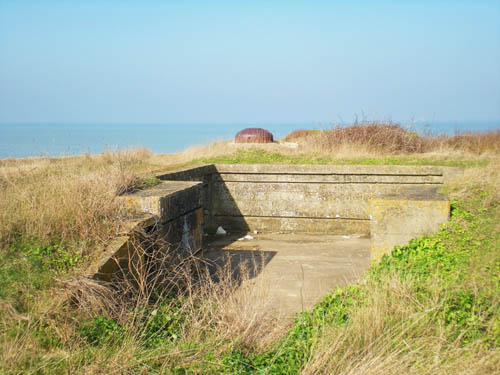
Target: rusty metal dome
<point>253,135</point>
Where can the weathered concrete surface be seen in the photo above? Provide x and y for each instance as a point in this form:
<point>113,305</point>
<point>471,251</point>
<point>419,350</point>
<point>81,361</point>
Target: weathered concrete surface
<point>184,234</point>
<point>295,225</point>
<point>167,200</point>
<point>296,271</point>
<point>349,201</point>
<point>329,169</point>
<point>193,173</point>
<point>398,218</point>
<point>120,252</point>
<point>308,198</point>
<point>200,173</point>
<point>172,212</point>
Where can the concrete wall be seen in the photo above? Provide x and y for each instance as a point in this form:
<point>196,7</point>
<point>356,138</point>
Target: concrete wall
<point>392,203</point>
<point>300,198</point>
<point>173,211</point>
<point>398,218</point>
<point>177,207</point>
<point>203,174</point>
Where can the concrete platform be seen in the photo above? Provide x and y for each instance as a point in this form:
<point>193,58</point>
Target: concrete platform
<point>296,270</point>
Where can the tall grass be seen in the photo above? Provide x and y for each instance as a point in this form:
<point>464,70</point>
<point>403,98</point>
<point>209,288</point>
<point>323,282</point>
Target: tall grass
<point>177,317</point>
<point>152,319</point>
<point>390,139</point>
<point>65,199</point>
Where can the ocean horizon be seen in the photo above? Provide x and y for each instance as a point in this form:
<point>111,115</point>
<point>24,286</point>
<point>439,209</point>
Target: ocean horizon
<point>40,139</point>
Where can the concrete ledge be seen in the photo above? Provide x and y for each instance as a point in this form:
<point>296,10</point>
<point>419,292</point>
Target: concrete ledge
<point>302,192</point>
<point>294,225</point>
<point>333,178</point>
<point>116,255</point>
<point>398,218</point>
<point>171,211</point>
<point>329,169</point>
<point>194,173</point>
<point>168,200</point>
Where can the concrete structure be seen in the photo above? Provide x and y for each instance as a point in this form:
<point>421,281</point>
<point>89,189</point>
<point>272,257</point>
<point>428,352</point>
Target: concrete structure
<point>398,218</point>
<point>177,208</point>
<point>292,272</point>
<point>299,198</point>
<point>253,135</point>
<point>323,205</point>
<point>173,210</point>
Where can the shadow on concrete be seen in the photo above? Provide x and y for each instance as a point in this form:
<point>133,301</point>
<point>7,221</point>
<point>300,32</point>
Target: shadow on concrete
<point>238,265</point>
<point>225,256</point>
<point>214,190</point>
<point>221,260</point>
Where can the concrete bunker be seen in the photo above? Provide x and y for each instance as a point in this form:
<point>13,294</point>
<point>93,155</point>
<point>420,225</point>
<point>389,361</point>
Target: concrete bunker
<point>326,217</point>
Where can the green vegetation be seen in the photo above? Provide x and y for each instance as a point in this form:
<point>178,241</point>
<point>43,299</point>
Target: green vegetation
<point>460,265</point>
<point>450,289</point>
<point>432,307</point>
<point>438,296</point>
<point>27,268</point>
<point>259,156</point>
<point>141,184</point>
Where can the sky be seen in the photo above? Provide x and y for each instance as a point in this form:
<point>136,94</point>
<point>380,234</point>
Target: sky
<point>248,61</point>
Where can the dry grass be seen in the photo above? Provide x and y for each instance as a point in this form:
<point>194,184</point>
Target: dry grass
<point>380,139</point>
<point>74,200</point>
<point>217,310</point>
<point>393,333</point>
<point>65,199</point>
<point>485,180</point>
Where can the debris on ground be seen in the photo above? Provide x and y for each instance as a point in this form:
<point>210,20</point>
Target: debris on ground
<point>247,237</point>
<point>221,231</point>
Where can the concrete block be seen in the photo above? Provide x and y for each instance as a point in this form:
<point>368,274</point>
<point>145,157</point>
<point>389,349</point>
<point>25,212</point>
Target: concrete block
<point>167,200</point>
<point>290,197</point>
<point>397,218</point>
<point>185,232</point>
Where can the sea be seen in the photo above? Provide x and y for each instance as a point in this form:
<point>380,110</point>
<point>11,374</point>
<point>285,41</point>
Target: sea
<point>33,140</point>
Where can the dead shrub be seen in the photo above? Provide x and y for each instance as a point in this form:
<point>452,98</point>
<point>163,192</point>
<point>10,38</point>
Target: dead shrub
<point>390,139</point>
<point>373,137</point>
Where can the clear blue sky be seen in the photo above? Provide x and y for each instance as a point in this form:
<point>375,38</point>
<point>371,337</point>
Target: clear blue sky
<point>248,61</point>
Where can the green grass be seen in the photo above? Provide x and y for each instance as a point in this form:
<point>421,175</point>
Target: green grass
<point>258,156</point>
<point>461,263</point>
<point>453,278</point>
<point>28,267</point>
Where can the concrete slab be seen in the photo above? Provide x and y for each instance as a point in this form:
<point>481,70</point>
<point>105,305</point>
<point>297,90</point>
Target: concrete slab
<point>296,269</point>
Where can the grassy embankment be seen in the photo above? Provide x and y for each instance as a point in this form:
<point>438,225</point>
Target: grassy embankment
<point>432,307</point>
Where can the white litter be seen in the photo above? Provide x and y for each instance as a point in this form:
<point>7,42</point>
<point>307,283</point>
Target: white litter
<point>346,236</point>
<point>221,231</point>
<point>337,216</point>
<point>255,232</point>
<point>247,237</point>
